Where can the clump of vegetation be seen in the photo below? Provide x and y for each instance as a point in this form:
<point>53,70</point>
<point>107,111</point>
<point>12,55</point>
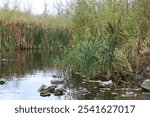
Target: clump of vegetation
<point>106,36</point>
<point>97,37</point>
<point>19,30</point>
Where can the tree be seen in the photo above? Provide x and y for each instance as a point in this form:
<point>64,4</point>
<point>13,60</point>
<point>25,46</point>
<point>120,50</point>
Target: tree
<point>16,5</point>
<point>28,8</point>
<point>45,11</point>
<point>59,6</point>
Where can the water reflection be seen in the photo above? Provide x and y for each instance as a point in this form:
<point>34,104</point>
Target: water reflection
<point>21,63</point>
<point>26,87</point>
<point>26,71</point>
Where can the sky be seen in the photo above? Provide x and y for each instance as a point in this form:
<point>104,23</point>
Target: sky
<point>37,5</point>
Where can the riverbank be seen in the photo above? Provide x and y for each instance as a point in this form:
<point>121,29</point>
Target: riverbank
<point>95,39</point>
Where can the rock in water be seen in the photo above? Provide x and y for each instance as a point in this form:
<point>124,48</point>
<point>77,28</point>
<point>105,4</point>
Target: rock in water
<point>2,81</point>
<point>46,91</point>
<point>57,81</point>
<point>59,92</point>
<point>51,88</point>
<point>105,84</point>
<point>45,94</point>
<point>146,85</point>
<point>83,90</point>
<point>130,94</point>
<point>43,87</point>
<point>56,76</point>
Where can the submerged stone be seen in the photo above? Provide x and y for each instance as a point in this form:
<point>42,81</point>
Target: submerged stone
<point>130,94</point>
<point>105,84</point>
<point>57,81</point>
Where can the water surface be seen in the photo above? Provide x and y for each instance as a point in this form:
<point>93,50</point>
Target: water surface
<point>26,71</point>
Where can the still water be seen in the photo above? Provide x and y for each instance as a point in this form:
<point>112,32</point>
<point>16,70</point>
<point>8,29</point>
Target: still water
<point>25,72</point>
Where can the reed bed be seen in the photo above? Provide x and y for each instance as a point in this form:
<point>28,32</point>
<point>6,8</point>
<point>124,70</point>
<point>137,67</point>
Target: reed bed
<point>19,30</point>
<point>108,37</point>
<point>97,37</point>
<point>26,35</point>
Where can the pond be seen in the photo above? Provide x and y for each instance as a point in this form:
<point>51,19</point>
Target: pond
<point>26,71</point>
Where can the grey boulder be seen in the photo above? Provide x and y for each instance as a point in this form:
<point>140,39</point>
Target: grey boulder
<point>146,85</point>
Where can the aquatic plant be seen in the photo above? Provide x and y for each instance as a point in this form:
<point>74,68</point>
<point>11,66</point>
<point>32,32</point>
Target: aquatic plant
<point>84,57</point>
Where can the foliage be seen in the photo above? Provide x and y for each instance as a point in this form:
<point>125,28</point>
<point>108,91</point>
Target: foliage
<point>117,25</point>
<point>84,57</point>
<point>96,37</point>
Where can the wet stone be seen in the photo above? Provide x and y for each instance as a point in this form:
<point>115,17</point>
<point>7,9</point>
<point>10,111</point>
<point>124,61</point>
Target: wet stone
<point>146,85</point>
<point>105,84</point>
<point>43,87</point>
<point>129,94</point>
<point>56,76</point>
<point>50,89</point>
<point>83,90</point>
<point>45,94</point>
<point>46,91</point>
<point>57,81</point>
<point>59,92</point>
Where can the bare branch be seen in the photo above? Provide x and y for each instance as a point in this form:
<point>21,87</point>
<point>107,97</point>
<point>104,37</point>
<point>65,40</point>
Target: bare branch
<point>59,6</point>
<point>28,8</point>
<point>6,3</point>
<point>16,5</point>
<point>45,11</point>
